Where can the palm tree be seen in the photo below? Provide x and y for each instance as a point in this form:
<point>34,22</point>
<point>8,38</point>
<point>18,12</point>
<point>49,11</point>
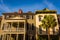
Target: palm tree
<point>49,21</point>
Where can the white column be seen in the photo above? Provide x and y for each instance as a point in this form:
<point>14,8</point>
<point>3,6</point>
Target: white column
<point>2,22</point>
<point>11,26</point>
<point>17,37</point>
<point>10,37</point>
<point>18,27</point>
<point>0,36</point>
<point>3,37</point>
<point>24,37</point>
<point>24,31</point>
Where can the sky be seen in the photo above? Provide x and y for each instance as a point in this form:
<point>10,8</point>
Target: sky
<point>28,5</point>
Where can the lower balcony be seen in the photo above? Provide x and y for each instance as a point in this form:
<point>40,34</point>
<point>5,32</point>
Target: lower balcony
<point>12,37</point>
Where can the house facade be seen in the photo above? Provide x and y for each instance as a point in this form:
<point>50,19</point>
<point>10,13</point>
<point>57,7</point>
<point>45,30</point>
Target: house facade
<point>42,32</point>
<point>25,26</point>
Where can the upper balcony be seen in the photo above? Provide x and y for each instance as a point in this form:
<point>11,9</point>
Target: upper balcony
<point>14,27</point>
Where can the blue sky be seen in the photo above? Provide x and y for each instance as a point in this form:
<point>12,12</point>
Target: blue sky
<point>28,5</point>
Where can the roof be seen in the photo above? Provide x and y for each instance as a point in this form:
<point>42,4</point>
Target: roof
<point>16,13</point>
<point>46,10</point>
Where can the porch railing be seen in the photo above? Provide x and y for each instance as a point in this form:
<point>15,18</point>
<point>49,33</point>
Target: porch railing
<point>14,30</point>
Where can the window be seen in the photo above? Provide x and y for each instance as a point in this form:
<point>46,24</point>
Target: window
<point>15,24</point>
<point>39,18</point>
<point>32,26</point>
<point>21,24</point>
<point>21,15</point>
<point>27,26</point>
<point>12,15</point>
<point>27,16</point>
<point>24,16</point>
<point>32,16</point>
<point>5,26</point>
<point>40,29</point>
<point>7,16</point>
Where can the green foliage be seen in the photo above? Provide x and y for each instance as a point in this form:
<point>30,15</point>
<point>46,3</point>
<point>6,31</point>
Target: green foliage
<point>49,21</point>
<point>42,37</point>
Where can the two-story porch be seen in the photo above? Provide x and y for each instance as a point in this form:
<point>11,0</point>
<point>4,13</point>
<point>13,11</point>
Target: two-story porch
<point>13,30</point>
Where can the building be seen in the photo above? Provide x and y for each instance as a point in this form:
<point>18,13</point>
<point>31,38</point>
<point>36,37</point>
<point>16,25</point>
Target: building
<point>43,32</point>
<point>25,26</point>
<point>59,24</point>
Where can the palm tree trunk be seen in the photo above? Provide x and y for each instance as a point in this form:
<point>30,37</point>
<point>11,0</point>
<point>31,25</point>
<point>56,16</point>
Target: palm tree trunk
<point>48,33</point>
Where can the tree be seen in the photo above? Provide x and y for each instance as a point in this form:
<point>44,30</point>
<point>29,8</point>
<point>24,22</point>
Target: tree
<point>49,21</point>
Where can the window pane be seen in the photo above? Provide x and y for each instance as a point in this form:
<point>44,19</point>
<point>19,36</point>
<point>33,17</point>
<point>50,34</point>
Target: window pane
<point>15,24</point>
<point>32,16</point>
<point>27,26</point>
<point>21,15</point>
<point>39,18</point>
<point>32,26</point>
<point>21,24</point>
<point>27,16</point>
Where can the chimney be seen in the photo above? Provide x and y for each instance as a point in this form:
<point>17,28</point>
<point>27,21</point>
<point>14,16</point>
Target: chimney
<point>20,11</point>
